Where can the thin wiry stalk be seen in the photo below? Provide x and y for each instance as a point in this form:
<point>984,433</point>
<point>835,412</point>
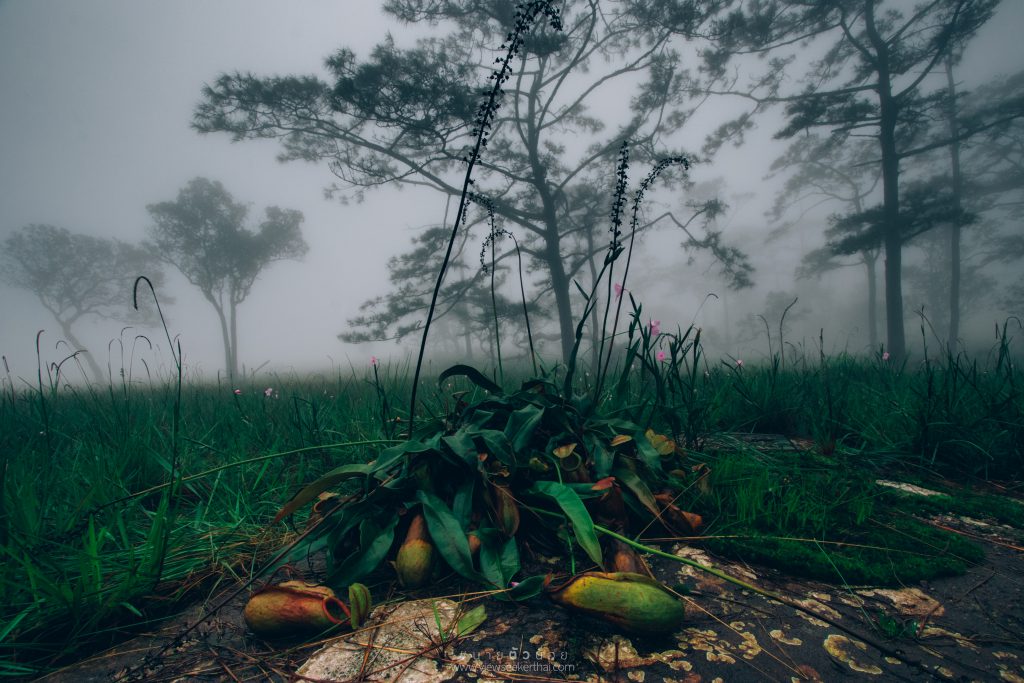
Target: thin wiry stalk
<point>782,321</point>
<point>621,179</point>
<point>4,457</point>
<point>522,293</point>
<point>570,370</point>
<point>42,399</point>
<point>172,497</point>
<point>382,398</point>
<point>525,17</point>
<point>494,234</point>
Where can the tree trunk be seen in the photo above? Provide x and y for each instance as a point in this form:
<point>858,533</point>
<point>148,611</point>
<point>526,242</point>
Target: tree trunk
<point>225,336</point>
<point>94,367</point>
<point>552,238</point>
<point>553,260</point>
<point>234,338</point>
<point>893,244</point>
<point>560,288</point>
<point>489,336</point>
<point>892,238</point>
<point>954,228</point>
<point>871,262</point>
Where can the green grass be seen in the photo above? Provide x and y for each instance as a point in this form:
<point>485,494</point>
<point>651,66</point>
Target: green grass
<point>951,414</point>
<point>81,552</point>
<point>90,543</point>
<point>815,517</point>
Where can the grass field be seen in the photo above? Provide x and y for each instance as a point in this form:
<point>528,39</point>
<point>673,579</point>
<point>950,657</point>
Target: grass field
<point>92,541</point>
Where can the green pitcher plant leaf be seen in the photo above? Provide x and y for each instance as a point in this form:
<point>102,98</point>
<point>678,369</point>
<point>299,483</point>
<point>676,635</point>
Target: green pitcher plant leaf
<point>497,444</point>
<point>448,535</point>
<point>471,620</point>
<point>461,446</point>
<point>635,484</point>
<point>473,375</point>
<point>374,543</point>
<point>521,425</point>
<point>572,506</point>
<point>311,491</point>
<point>499,557</point>
<point>648,453</point>
<point>462,503</point>
<point>528,588</point>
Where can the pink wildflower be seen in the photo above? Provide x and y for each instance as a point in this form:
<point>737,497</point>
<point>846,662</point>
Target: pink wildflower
<point>739,363</point>
<point>885,356</point>
<point>660,356</point>
<point>373,360</point>
<point>238,392</point>
<point>655,328</point>
<point>268,392</point>
<point>618,290</point>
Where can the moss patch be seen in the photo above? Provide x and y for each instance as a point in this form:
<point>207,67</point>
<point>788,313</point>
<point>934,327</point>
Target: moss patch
<point>1002,509</point>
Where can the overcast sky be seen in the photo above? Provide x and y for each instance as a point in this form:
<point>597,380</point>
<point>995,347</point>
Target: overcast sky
<point>94,125</point>
<point>98,97</point>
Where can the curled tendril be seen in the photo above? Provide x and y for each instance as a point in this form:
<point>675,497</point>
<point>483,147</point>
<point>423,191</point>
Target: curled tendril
<point>176,354</point>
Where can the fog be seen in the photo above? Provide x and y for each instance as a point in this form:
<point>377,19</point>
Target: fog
<point>96,125</point>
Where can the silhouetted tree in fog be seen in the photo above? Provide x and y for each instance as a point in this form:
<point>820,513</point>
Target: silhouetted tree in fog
<point>982,187</point>
<point>202,233</point>
<point>77,276</point>
<point>869,81</point>
<point>829,171</point>
<point>408,116</point>
<point>465,304</point>
<point>998,107</point>
<point>992,166</point>
<point>929,283</point>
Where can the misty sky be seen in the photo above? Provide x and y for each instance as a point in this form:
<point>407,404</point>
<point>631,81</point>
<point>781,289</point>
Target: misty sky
<point>97,100</point>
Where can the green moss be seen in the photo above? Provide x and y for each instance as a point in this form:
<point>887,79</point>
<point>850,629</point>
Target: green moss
<point>1002,509</point>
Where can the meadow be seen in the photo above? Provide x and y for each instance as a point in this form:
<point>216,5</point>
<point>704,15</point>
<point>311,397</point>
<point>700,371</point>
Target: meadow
<point>95,542</point>
<point>120,504</point>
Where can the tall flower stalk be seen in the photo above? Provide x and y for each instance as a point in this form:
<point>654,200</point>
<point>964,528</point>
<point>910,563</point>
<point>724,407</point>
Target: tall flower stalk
<point>615,245</point>
<point>615,250</point>
<point>526,15</point>
<point>634,222</point>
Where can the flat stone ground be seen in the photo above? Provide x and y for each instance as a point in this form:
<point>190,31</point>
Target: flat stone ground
<point>971,628</point>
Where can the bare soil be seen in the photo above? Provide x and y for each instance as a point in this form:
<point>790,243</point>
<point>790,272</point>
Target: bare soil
<point>966,628</point>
